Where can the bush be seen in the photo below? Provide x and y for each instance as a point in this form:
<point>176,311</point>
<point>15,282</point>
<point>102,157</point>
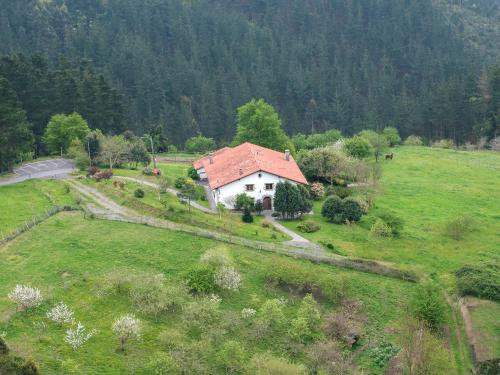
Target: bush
<point>192,174</point>
<point>392,136</point>
<point>139,193</point>
<point>489,367</point>
<point>317,191</point>
<point>427,305</point>
<point>259,206</point>
<point>180,182</point>
<point>340,191</point>
<point>332,209</point>
<point>444,143</point>
<point>482,280</point>
<point>393,221</point>
<point>162,364</point>
<point>201,279</point>
<point>4,349</point>
<point>147,171</point>
<point>247,216</point>
<point>308,227</point>
<point>82,161</point>
<point>351,209</point>
<point>457,228</point>
<point>380,229</point>
<point>91,171</point>
<point>266,224</point>
<point>383,353</point>
<point>103,175</point>
<point>413,140</point>
<point>244,201</point>
<point>199,144</point>
<point>358,147</point>
<point>232,357</point>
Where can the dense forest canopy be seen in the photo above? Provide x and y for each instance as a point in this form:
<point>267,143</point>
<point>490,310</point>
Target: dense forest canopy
<point>186,66</point>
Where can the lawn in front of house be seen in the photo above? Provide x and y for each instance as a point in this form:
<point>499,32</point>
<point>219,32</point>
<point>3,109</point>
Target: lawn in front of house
<point>68,258</point>
<point>427,188</point>
<point>171,208</point>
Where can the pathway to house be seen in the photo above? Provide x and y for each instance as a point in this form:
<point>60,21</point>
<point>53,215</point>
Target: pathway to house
<point>46,169</point>
<point>296,239</point>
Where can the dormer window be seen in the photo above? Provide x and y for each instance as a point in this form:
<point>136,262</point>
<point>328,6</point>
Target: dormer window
<point>269,186</point>
<point>250,187</point>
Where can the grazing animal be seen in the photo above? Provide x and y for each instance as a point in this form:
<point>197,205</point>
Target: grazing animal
<point>389,156</point>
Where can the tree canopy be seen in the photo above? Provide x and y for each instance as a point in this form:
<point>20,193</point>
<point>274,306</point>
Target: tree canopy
<point>62,129</point>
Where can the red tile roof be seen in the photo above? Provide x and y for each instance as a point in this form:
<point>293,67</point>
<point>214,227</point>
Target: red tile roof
<point>231,164</point>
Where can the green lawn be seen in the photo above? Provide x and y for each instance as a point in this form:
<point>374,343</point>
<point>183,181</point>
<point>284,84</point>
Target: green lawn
<point>428,188</point>
<point>21,201</point>
<point>82,251</point>
<point>174,210</point>
<point>484,316</point>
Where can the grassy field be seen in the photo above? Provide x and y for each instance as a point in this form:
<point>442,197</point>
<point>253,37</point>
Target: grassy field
<point>20,202</point>
<point>427,188</point>
<point>82,251</point>
<point>484,316</point>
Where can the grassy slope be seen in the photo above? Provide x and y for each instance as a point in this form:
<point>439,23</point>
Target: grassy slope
<point>20,202</point>
<point>81,251</point>
<point>485,321</point>
<point>428,188</point>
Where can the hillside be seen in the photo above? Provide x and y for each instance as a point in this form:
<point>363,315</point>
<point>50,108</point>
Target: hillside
<point>187,65</point>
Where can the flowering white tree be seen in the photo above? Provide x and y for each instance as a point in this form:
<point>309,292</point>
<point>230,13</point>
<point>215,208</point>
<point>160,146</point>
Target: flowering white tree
<point>228,278</point>
<point>26,297</point>
<point>127,327</point>
<point>76,337</point>
<point>248,313</point>
<point>60,314</point>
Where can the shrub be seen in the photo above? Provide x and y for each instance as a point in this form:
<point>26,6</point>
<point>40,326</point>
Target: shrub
<point>91,171</point>
<point>482,280</point>
<point>244,201</point>
<point>345,323</point>
<point>271,313</point>
<point>180,182</point>
<point>147,171</point>
<point>139,193</point>
<point>103,175</point>
<point>489,367</point>
<point>199,144</point>
<point>248,313</point>
<point>228,278</point>
<point>383,353</point>
<point>305,327</point>
<point>392,136</point>
<point>358,147</point>
<point>317,191</point>
<point>332,209</point>
<point>427,305</point>
<point>60,314</point>
<point>192,174</point>
<point>232,357</point>
<point>26,296</point>
<point>202,313</point>
<point>78,336</point>
<point>247,216</point>
<point>215,258</point>
<point>201,279</point>
<point>127,327</point>
<point>444,143</point>
<point>162,364</point>
<point>259,206</point>
<point>308,227</point>
<point>413,140</point>
<point>393,221</point>
<point>380,229</point>
<point>340,191</point>
<point>170,338</point>
<point>4,349</point>
<point>268,364</point>
<point>351,209</point>
<point>116,281</point>
<point>457,228</point>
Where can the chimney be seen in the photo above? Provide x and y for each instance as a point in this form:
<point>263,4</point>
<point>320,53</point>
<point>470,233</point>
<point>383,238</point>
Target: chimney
<point>287,155</point>
<point>211,158</point>
<point>241,171</point>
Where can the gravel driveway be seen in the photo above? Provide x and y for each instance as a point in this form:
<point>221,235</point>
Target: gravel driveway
<point>47,169</point>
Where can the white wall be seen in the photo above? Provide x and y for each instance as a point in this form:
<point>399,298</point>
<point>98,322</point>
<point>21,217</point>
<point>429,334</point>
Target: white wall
<point>227,194</point>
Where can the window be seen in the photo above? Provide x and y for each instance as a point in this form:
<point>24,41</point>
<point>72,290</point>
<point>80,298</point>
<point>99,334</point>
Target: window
<point>269,186</point>
<point>250,187</point>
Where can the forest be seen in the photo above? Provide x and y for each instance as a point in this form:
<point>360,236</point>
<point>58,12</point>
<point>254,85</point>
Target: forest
<point>184,67</point>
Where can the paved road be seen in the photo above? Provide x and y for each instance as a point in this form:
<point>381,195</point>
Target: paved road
<point>47,169</point>
<point>296,240</point>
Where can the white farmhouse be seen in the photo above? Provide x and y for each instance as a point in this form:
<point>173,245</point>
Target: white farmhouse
<point>249,169</point>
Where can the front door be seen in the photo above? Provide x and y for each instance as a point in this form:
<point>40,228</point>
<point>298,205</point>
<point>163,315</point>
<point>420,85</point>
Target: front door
<point>267,203</point>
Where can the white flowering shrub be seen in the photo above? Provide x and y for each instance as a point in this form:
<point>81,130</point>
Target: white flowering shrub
<point>127,327</point>
<point>228,278</point>
<point>248,313</point>
<point>215,258</point>
<point>60,314</point>
<point>78,336</point>
<point>26,296</point>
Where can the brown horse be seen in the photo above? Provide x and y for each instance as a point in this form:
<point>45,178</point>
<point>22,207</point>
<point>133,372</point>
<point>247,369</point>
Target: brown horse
<point>389,156</point>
